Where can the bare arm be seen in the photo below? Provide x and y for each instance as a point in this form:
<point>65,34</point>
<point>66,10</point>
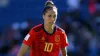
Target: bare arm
<point>64,51</point>
<point>24,48</point>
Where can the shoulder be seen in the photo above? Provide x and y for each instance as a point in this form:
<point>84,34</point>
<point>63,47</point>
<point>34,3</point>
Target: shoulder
<point>37,28</point>
<point>60,29</point>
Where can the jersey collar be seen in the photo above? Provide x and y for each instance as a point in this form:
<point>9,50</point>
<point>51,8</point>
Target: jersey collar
<point>47,32</point>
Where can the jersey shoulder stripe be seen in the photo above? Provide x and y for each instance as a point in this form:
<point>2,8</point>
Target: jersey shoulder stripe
<point>37,28</point>
<point>59,29</point>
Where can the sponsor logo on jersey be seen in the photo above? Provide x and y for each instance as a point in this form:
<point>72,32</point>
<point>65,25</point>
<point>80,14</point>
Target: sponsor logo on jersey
<point>42,38</point>
<point>27,37</point>
<point>66,40</point>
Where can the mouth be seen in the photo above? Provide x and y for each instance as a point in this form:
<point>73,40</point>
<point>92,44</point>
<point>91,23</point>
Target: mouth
<point>51,23</point>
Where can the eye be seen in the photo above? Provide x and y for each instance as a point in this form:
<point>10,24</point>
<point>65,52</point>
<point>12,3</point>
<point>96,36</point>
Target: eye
<point>54,16</point>
<point>49,15</point>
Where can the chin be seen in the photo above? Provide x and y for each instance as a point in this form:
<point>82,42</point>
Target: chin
<point>53,24</point>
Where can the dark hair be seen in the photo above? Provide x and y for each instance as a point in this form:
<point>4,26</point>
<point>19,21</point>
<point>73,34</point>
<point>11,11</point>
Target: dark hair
<point>49,5</point>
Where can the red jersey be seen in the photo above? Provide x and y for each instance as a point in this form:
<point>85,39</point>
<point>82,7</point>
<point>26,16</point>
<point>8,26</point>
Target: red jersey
<point>44,44</point>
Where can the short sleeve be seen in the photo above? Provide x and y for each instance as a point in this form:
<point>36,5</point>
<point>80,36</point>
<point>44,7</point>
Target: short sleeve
<point>64,41</point>
<point>29,38</point>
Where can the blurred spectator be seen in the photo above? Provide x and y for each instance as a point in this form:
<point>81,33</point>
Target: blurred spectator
<point>25,27</point>
<point>4,3</point>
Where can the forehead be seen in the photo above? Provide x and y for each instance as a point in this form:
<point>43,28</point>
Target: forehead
<point>52,11</point>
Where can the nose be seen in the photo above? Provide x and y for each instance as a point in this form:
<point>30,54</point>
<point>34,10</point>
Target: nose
<point>53,19</point>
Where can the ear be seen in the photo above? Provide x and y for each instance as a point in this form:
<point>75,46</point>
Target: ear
<point>43,16</point>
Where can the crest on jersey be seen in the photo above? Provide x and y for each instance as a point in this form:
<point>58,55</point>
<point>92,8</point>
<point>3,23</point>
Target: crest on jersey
<point>57,38</point>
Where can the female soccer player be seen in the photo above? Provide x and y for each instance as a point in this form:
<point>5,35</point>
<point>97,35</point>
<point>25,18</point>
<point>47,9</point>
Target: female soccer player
<point>45,39</point>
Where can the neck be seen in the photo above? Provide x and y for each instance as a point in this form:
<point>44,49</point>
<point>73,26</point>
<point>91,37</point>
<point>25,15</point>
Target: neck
<point>49,28</point>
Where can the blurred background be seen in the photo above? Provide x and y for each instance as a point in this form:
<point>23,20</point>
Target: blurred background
<point>79,18</point>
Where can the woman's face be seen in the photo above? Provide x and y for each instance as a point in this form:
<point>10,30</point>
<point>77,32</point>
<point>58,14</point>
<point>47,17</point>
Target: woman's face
<point>50,16</point>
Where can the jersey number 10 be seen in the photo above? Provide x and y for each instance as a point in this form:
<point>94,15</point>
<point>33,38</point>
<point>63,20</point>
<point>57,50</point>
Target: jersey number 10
<point>48,47</point>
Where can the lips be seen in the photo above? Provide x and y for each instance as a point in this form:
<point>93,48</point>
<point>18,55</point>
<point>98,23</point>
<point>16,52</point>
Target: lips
<point>51,22</point>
